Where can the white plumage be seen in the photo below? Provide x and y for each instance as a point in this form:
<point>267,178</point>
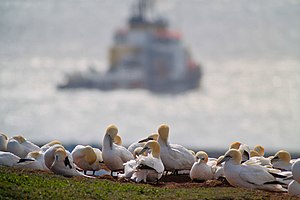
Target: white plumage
<point>294,186</point>
<point>282,160</point>
<point>34,160</point>
<point>149,168</point>
<point>59,161</point>
<point>87,158</point>
<point>248,176</point>
<point>8,159</point>
<point>200,170</point>
<point>19,146</point>
<point>114,156</point>
<point>173,156</point>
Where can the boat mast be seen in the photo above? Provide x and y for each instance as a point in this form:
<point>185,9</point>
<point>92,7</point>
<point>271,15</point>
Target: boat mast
<point>145,9</point>
<point>142,13</point>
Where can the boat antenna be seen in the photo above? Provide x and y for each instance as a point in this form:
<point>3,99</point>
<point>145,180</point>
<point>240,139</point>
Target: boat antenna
<point>144,9</point>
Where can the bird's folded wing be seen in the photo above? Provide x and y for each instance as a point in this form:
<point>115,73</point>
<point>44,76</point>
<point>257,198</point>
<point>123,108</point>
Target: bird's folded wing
<point>255,174</point>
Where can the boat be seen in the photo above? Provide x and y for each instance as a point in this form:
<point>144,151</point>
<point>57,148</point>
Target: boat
<point>145,54</point>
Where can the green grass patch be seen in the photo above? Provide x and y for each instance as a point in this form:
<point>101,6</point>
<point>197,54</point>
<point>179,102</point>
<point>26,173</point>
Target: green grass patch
<point>29,184</point>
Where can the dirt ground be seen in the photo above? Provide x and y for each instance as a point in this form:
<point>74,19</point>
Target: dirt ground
<point>184,181</point>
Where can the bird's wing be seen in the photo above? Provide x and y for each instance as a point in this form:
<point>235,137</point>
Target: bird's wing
<point>153,163</point>
<point>8,158</point>
<point>252,161</point>
<point>125,155</point>
<point>181,155</point>
<point>255,174</point>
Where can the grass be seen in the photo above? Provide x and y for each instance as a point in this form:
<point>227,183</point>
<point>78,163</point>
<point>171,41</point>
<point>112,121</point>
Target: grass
<point>29,184</point>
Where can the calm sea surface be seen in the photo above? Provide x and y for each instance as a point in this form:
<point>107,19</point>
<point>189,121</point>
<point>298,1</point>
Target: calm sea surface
<point>250,91</point>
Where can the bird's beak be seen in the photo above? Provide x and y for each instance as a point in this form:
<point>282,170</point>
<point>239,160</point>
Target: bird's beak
<point>274,159</point>
<point>247,155</point>
<point>289,178</point>
<point>222,159</point>
<point>143,150</point>
<point>110,142</point>
<point>198,160</point>
<point>145,140</point>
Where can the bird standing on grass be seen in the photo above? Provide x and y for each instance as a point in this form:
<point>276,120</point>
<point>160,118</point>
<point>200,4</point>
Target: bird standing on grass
<point>114,156</point>
<point>174,156</point>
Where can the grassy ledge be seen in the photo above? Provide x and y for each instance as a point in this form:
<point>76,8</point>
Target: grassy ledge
<point>31,184</point>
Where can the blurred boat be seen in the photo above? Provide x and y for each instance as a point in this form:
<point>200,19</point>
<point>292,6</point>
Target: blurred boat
<point>146,55</point>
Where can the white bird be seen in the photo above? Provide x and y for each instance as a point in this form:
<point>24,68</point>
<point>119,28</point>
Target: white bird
<point>114,156</point>
<point>38,156</point>
<point>141,143</point>
<point>174,157</point>
<point>62,165</point>
<point>201,171</point>
<point>149,168</point>
<point>257,154</point>
<point>87,158</point>
<point>8,159</point>
<point>248,176</point>
<point>11,160</point>
<point>19,146</point>
<point>33,160</point>
<point>59,161</point>
<point>243,148</point>
<point>131,165</point>
<point>282,160</point>
<point>49,155</point>
<point>294,186</point>
<point>3,142</point>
